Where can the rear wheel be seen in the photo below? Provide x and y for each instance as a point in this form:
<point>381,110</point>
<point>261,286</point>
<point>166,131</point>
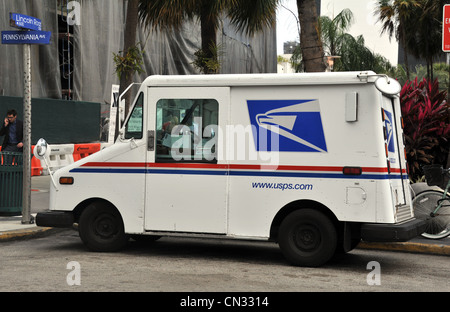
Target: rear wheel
<point>101,228</point>
<point>307,238</point>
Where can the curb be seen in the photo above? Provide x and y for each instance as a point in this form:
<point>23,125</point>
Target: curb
<point>36,232</point>
<point>434,249</point>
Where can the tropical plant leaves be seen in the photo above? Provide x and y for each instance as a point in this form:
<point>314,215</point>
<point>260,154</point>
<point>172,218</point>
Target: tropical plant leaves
<point>426,116</point>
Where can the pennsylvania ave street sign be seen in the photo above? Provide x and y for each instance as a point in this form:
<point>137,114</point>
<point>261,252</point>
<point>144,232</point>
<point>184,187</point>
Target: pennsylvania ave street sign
<point>26,37</point>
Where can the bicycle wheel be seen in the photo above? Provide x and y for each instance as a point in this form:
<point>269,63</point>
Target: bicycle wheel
<point>424,204</point>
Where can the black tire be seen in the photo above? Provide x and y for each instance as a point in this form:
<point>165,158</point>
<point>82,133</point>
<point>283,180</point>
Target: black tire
<point>101,228</point>
<point>307,238</point>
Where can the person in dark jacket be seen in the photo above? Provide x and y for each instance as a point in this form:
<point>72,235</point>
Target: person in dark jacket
<point>12,129</point>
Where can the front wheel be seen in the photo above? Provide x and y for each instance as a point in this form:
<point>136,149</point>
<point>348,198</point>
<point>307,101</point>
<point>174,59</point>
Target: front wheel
<point>438,224</point>
<point>307,238</point>
<point>101,228</point>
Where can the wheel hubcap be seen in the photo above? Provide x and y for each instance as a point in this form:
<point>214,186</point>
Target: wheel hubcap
<point>104,226</point>
<point>306,237</point>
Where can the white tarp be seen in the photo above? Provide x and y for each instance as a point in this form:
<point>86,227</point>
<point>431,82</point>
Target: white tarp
<point>46,80</point>
<point>100,34</point>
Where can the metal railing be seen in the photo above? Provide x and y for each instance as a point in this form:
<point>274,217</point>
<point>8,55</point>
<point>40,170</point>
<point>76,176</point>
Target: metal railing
<point>11,183</point>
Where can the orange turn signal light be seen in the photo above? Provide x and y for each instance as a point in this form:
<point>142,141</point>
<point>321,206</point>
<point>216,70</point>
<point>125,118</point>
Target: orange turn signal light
<point>66,180</point>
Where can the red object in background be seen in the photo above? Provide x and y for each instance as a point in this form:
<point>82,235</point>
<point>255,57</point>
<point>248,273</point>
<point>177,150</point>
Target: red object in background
<point>446,29</point>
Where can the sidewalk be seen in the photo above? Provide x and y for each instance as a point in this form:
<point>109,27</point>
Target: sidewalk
<point>11,228</point>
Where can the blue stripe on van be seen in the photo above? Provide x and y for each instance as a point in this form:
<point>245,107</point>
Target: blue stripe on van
<point>254,173</point>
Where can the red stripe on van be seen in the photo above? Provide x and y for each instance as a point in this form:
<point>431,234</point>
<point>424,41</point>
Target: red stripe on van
<point>234,167</point>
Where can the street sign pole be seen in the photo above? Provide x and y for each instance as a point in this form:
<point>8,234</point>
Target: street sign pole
<point>30,32</point>
<point>26,194</point>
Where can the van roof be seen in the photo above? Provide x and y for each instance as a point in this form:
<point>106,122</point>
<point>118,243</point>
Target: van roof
<point>259,79</point>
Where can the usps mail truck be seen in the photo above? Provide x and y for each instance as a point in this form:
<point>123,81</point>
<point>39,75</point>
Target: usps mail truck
<point>314,162</point>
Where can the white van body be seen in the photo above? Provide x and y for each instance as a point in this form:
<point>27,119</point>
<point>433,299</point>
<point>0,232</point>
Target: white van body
<point>247,152</point>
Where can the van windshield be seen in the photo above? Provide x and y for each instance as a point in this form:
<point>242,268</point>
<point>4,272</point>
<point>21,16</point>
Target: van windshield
<point>135,124</point>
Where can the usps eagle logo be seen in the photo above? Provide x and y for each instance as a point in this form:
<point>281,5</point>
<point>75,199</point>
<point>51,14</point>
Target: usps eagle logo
<point>389,124</point>
<point>287,125</point>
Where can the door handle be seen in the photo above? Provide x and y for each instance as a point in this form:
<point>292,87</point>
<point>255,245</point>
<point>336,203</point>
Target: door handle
<point>151,140</point>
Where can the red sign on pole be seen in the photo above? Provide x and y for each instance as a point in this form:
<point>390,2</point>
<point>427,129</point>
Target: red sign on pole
<point>446,29</point>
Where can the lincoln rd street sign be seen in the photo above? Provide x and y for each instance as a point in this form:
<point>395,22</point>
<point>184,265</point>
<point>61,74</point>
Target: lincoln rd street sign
<point>24,21</point>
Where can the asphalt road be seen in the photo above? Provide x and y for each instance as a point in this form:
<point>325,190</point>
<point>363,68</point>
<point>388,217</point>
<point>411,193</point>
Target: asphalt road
<point>53,263</point>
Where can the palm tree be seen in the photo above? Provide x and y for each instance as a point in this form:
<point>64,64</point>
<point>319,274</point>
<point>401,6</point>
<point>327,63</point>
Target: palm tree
<point>354,55</point>
<point>332,31</point>
<point>310,42</point>
<point>395,16</point>
<point>123,68</point>
<point>129,40</point>
<point>247,16</point>
<point>425,29</point>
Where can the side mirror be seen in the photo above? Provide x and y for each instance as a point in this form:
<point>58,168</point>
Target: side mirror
<point>41,150</point>
<point>388,86</point>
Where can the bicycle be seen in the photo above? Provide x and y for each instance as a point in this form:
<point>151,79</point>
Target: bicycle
<point>433,206</point>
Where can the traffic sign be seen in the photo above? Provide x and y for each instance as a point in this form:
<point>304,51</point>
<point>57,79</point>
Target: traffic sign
<point>26,37</point>
<point>24,21</point>
<point>446,29</point>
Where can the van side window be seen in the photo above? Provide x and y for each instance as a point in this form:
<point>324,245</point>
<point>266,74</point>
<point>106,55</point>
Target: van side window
<point>186,130</point>
<point>135,124</point>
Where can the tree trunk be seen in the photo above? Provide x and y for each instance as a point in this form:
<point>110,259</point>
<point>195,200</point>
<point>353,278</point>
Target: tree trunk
<point>405,50</point>
<point>208,33</point>
<point>129,41</point>
<point>310,42</point>
<point>431,69</point>
<point>405,54</point>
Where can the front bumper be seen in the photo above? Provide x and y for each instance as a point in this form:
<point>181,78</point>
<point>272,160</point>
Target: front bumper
<point>401,232</point>
<point>58,219</point>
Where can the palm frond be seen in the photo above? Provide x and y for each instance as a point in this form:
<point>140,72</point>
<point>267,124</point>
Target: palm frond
<point>252,16</point>
<point>166,13</point>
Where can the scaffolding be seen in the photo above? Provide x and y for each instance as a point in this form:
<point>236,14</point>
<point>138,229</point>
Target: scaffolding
<point>65,51</point>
